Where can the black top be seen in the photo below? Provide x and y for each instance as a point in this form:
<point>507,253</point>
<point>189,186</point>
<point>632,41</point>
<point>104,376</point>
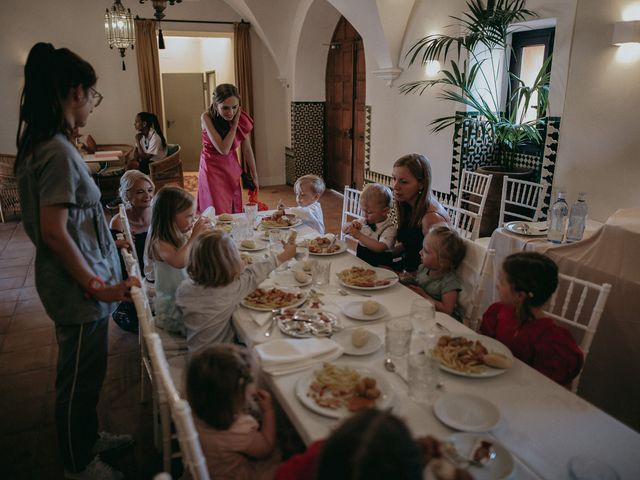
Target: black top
<point>411,239</point>
<point>139,240</point>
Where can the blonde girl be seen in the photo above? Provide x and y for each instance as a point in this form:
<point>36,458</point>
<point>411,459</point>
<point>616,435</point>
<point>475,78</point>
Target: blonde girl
<point>234,444</point>
<point>442,252</point>
<point>173,230</point>
<point>218,281</point>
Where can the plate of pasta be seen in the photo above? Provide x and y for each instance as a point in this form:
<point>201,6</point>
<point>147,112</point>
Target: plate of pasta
<point>267,299</point>
<point>323,246</point>
<point>367,278</point>
<point>338,390</point>
<point>472,355</point>
<point>285,221</point>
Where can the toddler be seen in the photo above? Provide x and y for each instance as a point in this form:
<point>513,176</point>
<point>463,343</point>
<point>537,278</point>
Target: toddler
<point>442,252</point>
<point>234,444</point>
<point>308,190</point>
<point>375,232</point>
<point>525,283</point>
<point>171,233</point>
<point>218,281</point>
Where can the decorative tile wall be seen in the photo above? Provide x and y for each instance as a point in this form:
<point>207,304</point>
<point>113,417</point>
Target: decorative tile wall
<point>307,140</point>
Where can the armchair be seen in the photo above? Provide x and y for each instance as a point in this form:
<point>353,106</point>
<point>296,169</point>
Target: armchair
<point>168,171</point>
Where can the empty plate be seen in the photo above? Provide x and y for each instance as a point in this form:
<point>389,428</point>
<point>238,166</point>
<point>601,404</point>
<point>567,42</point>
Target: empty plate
<point>467,413</point>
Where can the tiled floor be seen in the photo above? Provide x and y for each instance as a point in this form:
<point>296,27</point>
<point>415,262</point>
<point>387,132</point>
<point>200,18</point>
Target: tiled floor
<point>27,367</point>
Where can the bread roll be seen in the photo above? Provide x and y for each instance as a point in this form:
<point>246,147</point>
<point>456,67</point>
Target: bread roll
<point>225,217</point>
<point>308,265</point>
<point>251,244</point>
<point>370,307</point>
<point>497,360</point>
<point>359,337</point>
<point>301,276</point>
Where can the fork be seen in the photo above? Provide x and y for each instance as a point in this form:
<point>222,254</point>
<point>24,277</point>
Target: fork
<point>274,314</point>
<point>344,293</point>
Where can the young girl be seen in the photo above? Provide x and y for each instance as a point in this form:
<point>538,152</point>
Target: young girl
<point>234,444</point>
<point>150,142</point>
<point>527,280</point>
<point>442,252</point>
<point>171,234</point>
<point>218,282</point>
<point>417,208</point>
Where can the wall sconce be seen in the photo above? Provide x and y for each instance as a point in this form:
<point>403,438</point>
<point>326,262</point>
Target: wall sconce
<point>432,68</point>
<point>626,35</point>
<point>626,32</point>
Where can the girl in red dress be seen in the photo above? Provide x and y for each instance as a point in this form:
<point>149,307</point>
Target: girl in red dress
<point>527,280</point>
<point>224,127</point>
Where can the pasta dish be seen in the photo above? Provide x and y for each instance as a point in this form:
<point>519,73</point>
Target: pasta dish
<point>361,277</point>
<point>272,298</point>
<point>283,221</point>
<point>335,387</point>
<point>322,245</point>
<point>459,353</point>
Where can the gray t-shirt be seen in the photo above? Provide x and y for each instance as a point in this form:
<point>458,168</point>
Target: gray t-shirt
<point>55,174</point>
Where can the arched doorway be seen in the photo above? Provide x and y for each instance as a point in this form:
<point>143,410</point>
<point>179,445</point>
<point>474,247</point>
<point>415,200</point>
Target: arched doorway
<point>345,117</point>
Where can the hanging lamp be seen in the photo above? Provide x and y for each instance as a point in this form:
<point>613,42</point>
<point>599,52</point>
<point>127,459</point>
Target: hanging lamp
<point>159,7</point>
<point>120,29</point>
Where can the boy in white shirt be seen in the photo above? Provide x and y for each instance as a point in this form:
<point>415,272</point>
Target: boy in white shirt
<point>308,190</point>
<point>375,232</point>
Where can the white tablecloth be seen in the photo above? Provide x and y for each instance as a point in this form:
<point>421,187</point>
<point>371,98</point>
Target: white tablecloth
<point>543,424</point>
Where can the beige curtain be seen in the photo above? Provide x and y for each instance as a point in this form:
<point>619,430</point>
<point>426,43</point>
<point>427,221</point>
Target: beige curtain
<point>149,67</point>
<point>244,77</point>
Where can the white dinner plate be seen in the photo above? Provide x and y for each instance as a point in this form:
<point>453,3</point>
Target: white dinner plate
<point>298,302</point>
<point>223,221</point>
<point>303,383</point>
<point>491,344</point>
<point>501,467</point>
<point>344,339</point>
<point>295,223</point>
<point>260,245</point>
<point>382,274</point>
<point>339,243</point>
<point>287,279</point>
<point>465,412</point>
<point>530,229</point>
<point>354,310</point>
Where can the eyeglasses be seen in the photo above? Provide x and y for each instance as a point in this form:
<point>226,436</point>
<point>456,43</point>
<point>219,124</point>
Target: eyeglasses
<point>97,96</point>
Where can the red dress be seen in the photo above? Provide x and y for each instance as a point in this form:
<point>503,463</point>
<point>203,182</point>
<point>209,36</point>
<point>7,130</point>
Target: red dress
<point>539,343</point>
<point>303,466</point>
<point>219,175</point>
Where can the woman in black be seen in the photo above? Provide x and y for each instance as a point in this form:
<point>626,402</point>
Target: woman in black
<point>417,208</point>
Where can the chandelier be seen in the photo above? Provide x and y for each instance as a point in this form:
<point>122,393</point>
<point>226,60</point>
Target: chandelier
<point>119,28</point>
<point>159,6</point>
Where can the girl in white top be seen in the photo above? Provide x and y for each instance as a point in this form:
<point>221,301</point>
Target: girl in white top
<point>308,190</point>
<point>150,142</point>
<point>218,281</point>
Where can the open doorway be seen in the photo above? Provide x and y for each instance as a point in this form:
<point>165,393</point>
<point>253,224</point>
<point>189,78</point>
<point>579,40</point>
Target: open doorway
<point>191,66</point>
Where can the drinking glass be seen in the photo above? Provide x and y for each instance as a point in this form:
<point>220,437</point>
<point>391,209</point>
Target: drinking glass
<point>423,316</point>
<point>321,274</point>
<point>240,229</point>
<point>424,377</point>
<point>302,254</point>
<point>397,338</point>
<point>251,210</point>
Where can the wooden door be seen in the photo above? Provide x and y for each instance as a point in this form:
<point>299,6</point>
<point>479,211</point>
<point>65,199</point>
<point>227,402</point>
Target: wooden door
<point>184,102</point>
<point>345,118</point>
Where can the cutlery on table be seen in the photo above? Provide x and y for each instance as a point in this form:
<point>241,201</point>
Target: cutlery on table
<point>274,315</point>
<point>344,293</point>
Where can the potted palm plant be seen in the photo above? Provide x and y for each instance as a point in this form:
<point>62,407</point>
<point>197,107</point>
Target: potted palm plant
<point>472,77</point>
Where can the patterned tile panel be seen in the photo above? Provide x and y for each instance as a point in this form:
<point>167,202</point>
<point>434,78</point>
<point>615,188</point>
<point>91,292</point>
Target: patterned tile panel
<point>307,140</point>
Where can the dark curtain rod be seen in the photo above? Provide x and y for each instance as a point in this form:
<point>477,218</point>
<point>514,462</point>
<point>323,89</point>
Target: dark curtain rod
<point>165,20</point>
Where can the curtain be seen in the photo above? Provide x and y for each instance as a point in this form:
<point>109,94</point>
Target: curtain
<point>149,68</point>
<point>244,77</point>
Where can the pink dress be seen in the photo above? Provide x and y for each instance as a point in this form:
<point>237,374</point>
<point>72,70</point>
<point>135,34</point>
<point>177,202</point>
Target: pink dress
<point>219,175</point>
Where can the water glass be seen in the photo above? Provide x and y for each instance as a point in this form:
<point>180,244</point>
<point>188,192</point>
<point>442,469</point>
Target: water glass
<point>397,337</point>
<point>321,274</point>
<point>240,229</point>
<point>251,211</point>
<point>423,314</point>
<point>302,254</point>
<point>424,377</point>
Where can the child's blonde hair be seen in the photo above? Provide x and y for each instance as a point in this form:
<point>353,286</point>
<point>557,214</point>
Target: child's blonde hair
<point>451,247</point>
<point>217,379</point>
<point>129,180</point>
<point>317,184</point>
<point>166,205</point>
<point>378,193</point>
<point>214,248</point>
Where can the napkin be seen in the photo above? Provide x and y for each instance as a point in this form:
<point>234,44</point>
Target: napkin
<point>244,314</point>
<point>287,355</point>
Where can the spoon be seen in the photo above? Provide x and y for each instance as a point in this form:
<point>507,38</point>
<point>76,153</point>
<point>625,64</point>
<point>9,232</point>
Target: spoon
<point>344,293</point>
<point>274,314</point>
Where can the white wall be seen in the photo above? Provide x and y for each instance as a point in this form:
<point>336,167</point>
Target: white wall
<point>198,54</point>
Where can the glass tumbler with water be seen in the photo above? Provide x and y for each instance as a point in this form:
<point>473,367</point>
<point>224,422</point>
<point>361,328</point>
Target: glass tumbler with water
<point>424,377</point>
<point>321,273</point>
<point>397,338</point>
<point>423,316</point>
<point>251,210</point>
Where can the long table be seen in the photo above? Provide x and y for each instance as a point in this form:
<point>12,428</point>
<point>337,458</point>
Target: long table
<point>543,425</point>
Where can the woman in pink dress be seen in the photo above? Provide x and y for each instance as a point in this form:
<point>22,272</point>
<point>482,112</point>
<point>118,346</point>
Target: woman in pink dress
<point>224,127</point>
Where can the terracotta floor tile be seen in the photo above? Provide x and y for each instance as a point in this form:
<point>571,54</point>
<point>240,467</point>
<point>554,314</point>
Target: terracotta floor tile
<point>30,281</point>
<point>39,337</point>
<point>47,453</point>
<point>17,451</point>
<point>33,305</point>
<point>29,321</point>
<point>15,262</point>
<point>25,360</point>
<point>25,385</point>
<point>22,416</point>
<point>123,365</point>
<point>29,293</point>
<point>4,324</point>
<point>7,308</point>
<point>9,295</point>
<point>14,272</point>
<point>15,249</point>
<point>11,283</point>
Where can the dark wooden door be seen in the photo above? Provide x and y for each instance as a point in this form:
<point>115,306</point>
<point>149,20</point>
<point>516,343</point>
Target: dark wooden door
<point>345,81</point>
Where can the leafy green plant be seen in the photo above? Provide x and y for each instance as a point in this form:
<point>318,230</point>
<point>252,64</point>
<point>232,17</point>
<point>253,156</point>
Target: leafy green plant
<point>485,29</point>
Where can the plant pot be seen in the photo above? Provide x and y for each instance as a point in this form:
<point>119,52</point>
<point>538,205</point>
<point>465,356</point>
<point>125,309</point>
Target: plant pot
<point>491,215</point>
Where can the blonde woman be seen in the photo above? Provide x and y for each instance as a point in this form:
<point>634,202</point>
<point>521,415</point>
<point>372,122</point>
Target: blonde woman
<point>173,230</point>
<point>218,281</point>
